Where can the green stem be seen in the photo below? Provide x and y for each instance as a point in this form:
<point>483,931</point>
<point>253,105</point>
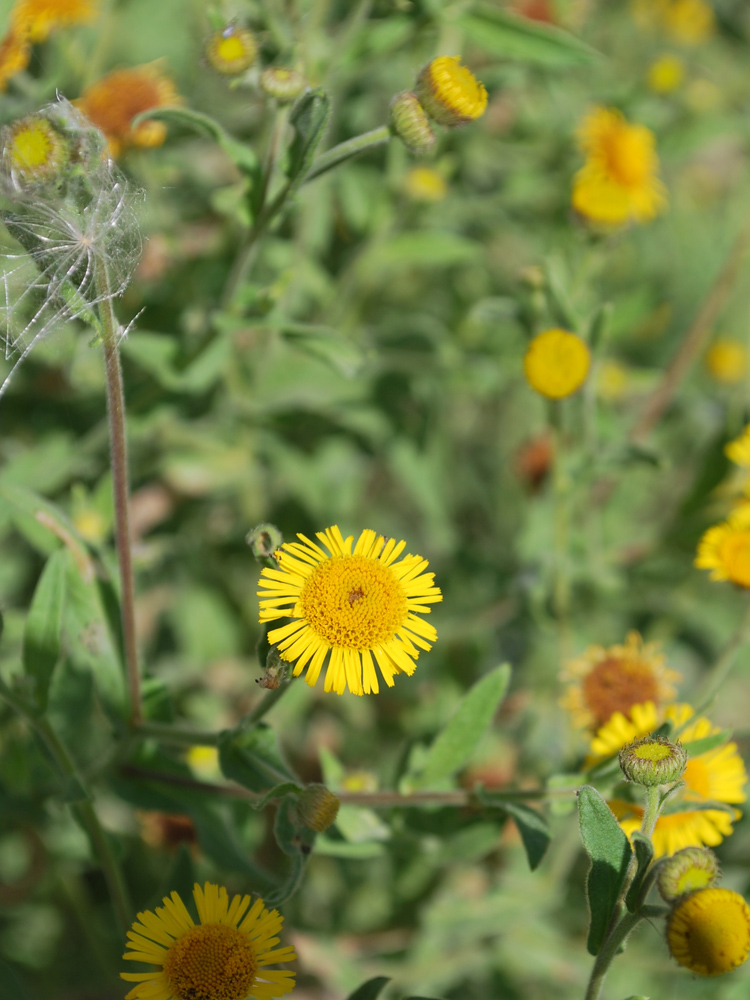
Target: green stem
<point>561,489</point>
<point>609,949</point>
<point>345,150</point>
<point>118,450</point>
<point>651,812</point>
<point>723,665</point>
<point>182,737</point>
<point>265,705</point>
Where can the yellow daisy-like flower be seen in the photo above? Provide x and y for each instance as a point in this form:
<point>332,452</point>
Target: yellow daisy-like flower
<point>225,957</point>
<point>114,101</point>
<point>738,451</point>
<point>606,680</point>
<point>708,931</point>
<point>33,150</point>
<point>717,775</point>
<point>556,363</point>
<point>727,361</point>
<point>666,74</point>
<point>232,50</point>
<point>619,180</point>
<point>360,605</point>
<point>15,53</point>
<point>725,548</point>
<point>689,21</point>
<point>37,18</point>
<point>450,93</point>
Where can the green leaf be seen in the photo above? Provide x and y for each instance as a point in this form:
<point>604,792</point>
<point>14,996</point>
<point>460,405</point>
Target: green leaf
<point>644,853</point>
<point>296,843</point>
<point>244,157</point>
<point>309,119</point>
<point>370,990</point>
<point>461,737</point>
<point>510,36</point>
<point>343,849</point>
<point>423,248</point>
<point>533,827</point>
<point>609,854</point>
<point>696,747</point>
<point>252,758</point>
<point>41,638</point>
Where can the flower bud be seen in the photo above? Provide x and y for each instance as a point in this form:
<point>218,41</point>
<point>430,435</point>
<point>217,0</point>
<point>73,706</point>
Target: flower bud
<point>708,931</point>
<point>232,50</point>
<point>33,151</point>
<point>450,93</point>
<point>654,760</point>
<point>317,808</point>
<point>264,539</point>
<point>411,124</point>
<point>282,83</point>
<point>687,870</point>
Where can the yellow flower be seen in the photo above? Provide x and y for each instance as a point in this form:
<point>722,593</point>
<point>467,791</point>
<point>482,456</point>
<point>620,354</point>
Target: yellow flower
<point>619,180</point>
<point>709,931</point>
<point>738,451</point>
<point>15,52</point>
<point>556,363</point>
<point>615,679</point>
<point>114,101</point>
<point>666,74</point>
<point>425,184</point>
<point>219,959</point>
<point>33,150</point>
<point>353,604</point>
<point>727,360</point>
<point>450,93</point>
<point>689,21</point>
<point>717,775</point>
<point>725,548</point>
<point>37,18</point>
<point>232,50</point>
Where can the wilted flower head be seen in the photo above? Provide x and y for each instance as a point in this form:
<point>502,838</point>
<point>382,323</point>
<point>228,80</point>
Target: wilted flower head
<point>69,208</point>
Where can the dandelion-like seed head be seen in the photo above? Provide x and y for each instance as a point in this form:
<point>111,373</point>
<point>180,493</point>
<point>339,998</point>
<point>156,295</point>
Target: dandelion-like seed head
<point>450,93</point>
<point>708,931</point>
<point>557,363</point>
<point>232,50</point>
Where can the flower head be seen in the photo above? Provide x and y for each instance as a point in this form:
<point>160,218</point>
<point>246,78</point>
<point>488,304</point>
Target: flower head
<point>619,180</point>
<point>725,548</point>
<point>224,957</point>
<point>359,605</point>
<point>687,870</point>
<point>232,50</point>
<point>114,101</point>
<point>33,151</point>
<point>738,451</point>
<point>556,363</point>
<point>15,53</point>
<point>35,19</point>
<point>717,775</point>
<point>727,360</point>
<point>605,680</point>
<point>689,21</point>
<point>282,83</point>
<point>709,931</point>
<point>410,123</point>
<point>317,807</point>
<point>654,760</point>
<point>450,93</point>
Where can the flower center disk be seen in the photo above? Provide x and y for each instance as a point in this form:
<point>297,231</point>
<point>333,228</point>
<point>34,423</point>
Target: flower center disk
<point>354,602</point>
<point>211,962</point>
<point>615,685</point>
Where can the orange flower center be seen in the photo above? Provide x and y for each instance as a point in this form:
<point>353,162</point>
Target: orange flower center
<point>615,685</point>
<point>627,156</point>
<point>735,556</point>
<point>211,962</point>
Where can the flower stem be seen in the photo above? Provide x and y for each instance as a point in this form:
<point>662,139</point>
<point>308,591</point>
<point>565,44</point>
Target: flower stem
<point>345,150</point>
<point>265,705</point>
<point>171,734</point>
<point>608,951</point>
<point>723,665</point>
<point>118,450</point>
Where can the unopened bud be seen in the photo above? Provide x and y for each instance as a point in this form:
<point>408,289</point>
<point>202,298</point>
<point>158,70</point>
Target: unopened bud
<point>450,93</point>
<point>410,123</point>
<point>33,151</point>
<point>317,807</point>
<point>654,760</point>
<point>687,870</point>
<point>232,50</point>
<point>264,539</point>
<point>282,83</point>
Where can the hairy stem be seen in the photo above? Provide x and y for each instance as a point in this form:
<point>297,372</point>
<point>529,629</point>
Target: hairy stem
<point>609,949</point>
<point>118,451</point>
<point>346,150</point>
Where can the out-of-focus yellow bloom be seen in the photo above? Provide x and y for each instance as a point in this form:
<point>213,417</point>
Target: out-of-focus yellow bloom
<point>114,101</point>
<point>204,761</point>
<point>556,363</point>
<point>425,184</point>
<point>612,380</point>
<point>232,50</point>
<point>450,93</point>
<point>727,360</point>
<point>15,52</point>
<point>738,451</point>
<point>689,21</point>
<point>708,931</point>
<point>619,180</point>
<point>666,74</point>
<point>725,548</point>
<point>35,19</point>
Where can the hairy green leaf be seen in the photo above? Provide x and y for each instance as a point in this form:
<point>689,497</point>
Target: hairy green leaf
<point>510,36</point>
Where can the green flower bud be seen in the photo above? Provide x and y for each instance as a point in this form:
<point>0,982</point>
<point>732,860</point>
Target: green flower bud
<point>411,124</point>
<point>33,151</point>
<point>282,83</point>
<point>687,870</point>
<point>317,808</point>
<point>653,761</point>
<point>264,540</point>
<point>232,50</point>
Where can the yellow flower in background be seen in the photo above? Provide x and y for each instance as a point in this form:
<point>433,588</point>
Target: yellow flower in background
<point>615,679</point>
<point>708,931</point>
<point>717,775</point>
<point>618,181</point>
<point>15,53</point>
<point>35,19</point>
<point>232,50</point>
<point>557,363</point>
<point>425,184</point>
<point>648,13</point>
<point>725,548</point>
<point>450,93</point>
<point>612,380</point>
<point>689,21</point>
<point>359,605</point>
<point>222,958</point>
<point>727,360</point>
<point>666,74</point>
<point>738,451</point>
<point>114,101</point>
<point>33,150</point>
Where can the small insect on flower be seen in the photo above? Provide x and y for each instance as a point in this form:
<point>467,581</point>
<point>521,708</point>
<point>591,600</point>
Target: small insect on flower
<point>232,50</point>
<point>450,93</point>
<point>557,363</point>
<point>114,101</point>
<point>224,957</point>
<point>359,606</point>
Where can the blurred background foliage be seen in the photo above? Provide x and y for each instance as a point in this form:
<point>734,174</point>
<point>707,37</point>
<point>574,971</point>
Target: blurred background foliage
<point>370,374</point>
